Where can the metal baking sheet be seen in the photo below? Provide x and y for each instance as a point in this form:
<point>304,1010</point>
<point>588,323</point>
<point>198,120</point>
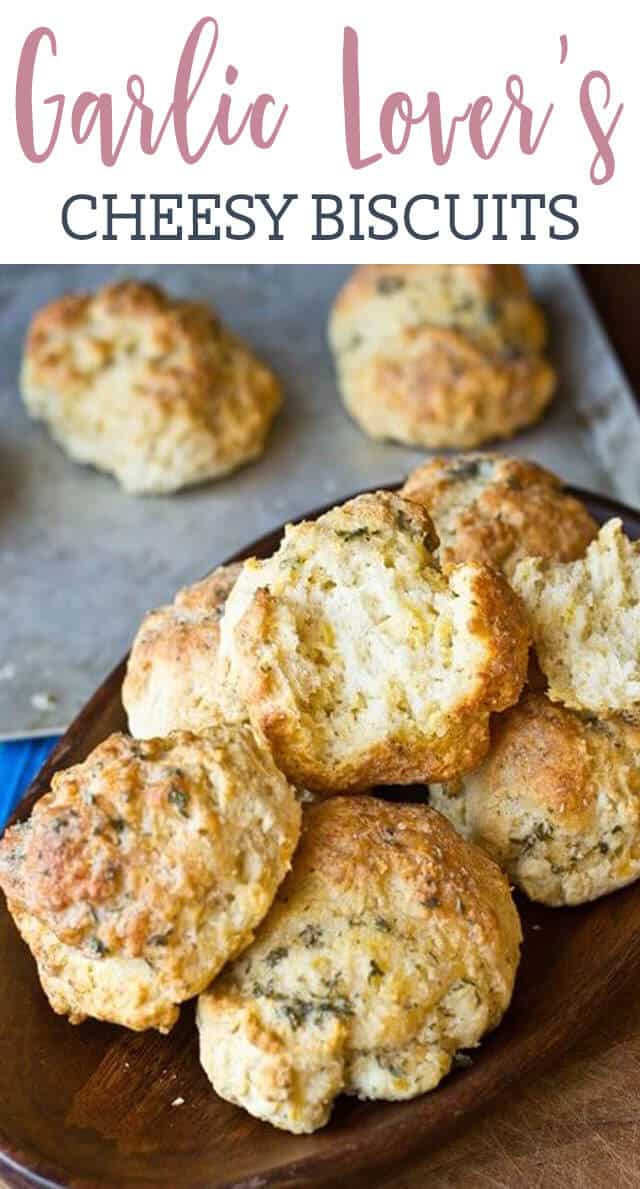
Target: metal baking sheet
<point>81,561</point>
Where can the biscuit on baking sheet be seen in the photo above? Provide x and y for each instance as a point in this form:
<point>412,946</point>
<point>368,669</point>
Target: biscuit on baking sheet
<point>153,389</point>
<point>146,868</point>
<point>585,620</point>
<point>359,661</point>
<point>391,944</point>
<point>499,510</point>
<point>440,354</point>
<point>556,802</point>
<point>169,685</point>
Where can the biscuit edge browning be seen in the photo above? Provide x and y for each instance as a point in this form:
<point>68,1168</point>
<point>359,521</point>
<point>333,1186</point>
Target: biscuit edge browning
<point>391,945</point>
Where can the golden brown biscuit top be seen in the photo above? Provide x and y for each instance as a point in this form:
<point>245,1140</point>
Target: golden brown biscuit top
<point>139,834</point>
<point>208,596</point>
<point>558,758</point>
<point>391,944</point>
<point>499,510</point>
<point>485,280</point>
<point>386,861</point>
<point>180,350</point>
<point>489,304</point>
<point>377,513</point>
<point>189,624</point>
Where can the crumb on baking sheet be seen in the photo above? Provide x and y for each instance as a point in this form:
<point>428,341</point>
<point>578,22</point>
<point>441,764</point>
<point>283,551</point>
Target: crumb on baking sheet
<point>43,701</point>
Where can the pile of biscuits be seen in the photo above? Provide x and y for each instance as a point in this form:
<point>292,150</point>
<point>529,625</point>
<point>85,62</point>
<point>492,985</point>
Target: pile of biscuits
<point>240,844</point>
<point>231,848</point>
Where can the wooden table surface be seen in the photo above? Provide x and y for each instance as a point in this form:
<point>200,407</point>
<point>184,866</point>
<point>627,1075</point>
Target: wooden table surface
<point>578,1125</point>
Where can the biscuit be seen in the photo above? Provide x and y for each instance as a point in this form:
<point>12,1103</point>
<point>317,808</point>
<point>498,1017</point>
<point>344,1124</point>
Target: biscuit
<point>499,510</point>
<point>359,662</point>
<point>440,354</point>
<point>146,868</point>
<point>154,390</point>
<point>169,682</point>
<point>391,945</point>
<point>585,619</point>
<point>556,803</point>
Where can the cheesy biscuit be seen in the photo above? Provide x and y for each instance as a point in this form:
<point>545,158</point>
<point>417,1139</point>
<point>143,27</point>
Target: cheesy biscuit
<point>440,354</point>
<point>146,868</point>
<point>556,802</point>
<point>391,944</point>
<point>169,684</point>
<point>359,661</point>
<point>152,389</point>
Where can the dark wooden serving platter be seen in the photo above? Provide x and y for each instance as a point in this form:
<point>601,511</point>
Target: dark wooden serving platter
<point>95,1105</point>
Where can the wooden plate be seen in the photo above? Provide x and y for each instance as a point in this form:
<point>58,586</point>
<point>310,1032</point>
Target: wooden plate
<point>95,1105</point>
